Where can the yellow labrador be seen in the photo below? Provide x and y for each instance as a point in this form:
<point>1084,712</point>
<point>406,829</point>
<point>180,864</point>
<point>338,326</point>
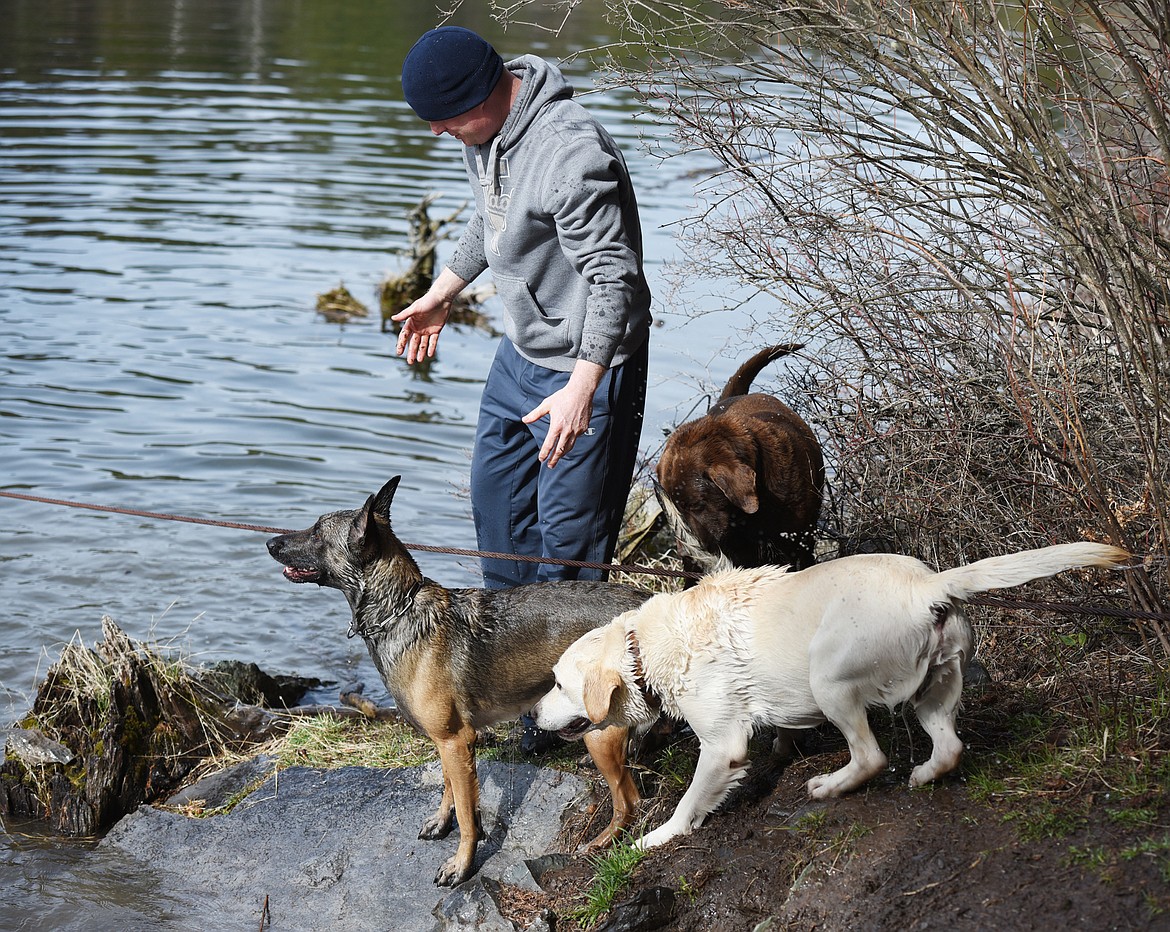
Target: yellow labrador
<point>750,648</point>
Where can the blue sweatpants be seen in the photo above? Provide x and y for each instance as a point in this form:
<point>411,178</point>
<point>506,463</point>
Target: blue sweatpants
<point>574,510</point>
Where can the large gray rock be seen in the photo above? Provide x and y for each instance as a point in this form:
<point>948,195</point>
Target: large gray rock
<point>335,850</point>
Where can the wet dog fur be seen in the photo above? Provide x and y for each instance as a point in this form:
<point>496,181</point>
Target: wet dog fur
<point>456,660</point>
<point>759,647</point>
<point>742,484</point>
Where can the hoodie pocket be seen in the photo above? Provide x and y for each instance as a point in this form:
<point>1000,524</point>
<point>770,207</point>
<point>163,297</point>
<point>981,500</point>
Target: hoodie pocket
<point>526,323</point>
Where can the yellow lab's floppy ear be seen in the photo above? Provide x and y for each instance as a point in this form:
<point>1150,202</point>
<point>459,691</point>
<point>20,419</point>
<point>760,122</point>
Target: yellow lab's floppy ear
<point>600,685</point>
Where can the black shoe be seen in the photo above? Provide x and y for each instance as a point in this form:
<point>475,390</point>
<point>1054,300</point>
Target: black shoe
<point>534,740</point>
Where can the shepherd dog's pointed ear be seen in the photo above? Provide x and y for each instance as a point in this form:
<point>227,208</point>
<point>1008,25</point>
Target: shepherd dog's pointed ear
<point>376,506</point>
<point>384,498</point>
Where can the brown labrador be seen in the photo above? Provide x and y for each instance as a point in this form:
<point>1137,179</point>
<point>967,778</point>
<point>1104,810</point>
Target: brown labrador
<point>743,484</point>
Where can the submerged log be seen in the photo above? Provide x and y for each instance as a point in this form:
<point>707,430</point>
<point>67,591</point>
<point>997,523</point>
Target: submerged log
<point>114,727</point>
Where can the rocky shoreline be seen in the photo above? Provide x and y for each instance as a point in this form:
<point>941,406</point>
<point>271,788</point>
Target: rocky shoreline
<point>339,849</point>
<point>115,732</point>
<point>275,843</point>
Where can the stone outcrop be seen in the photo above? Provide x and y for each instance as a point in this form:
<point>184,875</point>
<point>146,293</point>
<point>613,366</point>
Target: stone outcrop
<point>338,849</point>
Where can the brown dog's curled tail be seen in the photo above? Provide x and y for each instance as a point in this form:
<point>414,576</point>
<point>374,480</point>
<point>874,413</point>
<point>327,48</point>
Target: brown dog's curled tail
<point>741,382</point>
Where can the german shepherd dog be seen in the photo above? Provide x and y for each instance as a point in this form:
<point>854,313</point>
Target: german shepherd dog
<point>456,660</point>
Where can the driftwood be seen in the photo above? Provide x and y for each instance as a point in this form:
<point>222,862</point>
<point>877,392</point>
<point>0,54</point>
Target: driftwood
<point>353,698</point>
<point>398,291</point>
<point>118,726</point>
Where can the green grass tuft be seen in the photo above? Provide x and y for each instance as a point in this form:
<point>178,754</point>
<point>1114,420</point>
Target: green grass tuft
<point>326,741</point>
<point>613,872</point>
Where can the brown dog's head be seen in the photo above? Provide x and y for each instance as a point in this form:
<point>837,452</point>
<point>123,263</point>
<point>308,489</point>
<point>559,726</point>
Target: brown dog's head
<point>707,473</point>
<point>744,483</point>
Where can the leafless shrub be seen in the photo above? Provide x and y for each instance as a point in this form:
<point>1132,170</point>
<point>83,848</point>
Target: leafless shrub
<point>965,208</point>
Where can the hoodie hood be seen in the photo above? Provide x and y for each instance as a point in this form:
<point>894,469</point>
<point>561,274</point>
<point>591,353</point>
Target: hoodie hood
<point>540,85</point>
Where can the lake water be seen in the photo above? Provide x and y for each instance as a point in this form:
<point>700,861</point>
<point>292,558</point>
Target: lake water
<point>178,183</point>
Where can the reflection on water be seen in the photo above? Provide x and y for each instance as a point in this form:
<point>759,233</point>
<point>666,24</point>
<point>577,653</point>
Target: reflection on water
<point>178,182</point>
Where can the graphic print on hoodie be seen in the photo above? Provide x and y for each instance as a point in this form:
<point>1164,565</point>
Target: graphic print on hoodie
<point>496,204</point>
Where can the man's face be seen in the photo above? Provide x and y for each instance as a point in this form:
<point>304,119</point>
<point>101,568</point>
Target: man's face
<point>473,128</point>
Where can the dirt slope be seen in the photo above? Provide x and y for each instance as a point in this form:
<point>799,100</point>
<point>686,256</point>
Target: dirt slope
<point>949,856</point>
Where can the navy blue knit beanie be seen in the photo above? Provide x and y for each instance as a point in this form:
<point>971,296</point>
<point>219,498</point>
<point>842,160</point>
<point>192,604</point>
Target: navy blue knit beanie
<point>448,71</point>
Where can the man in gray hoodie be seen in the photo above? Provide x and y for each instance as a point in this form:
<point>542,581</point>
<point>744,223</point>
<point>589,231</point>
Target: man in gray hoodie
<point>557,223</point>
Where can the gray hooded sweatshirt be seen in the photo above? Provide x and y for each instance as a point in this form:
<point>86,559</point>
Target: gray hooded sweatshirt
<point>557,223</point>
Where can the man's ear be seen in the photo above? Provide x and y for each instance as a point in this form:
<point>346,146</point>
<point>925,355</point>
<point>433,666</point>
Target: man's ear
<point>600,687</point>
